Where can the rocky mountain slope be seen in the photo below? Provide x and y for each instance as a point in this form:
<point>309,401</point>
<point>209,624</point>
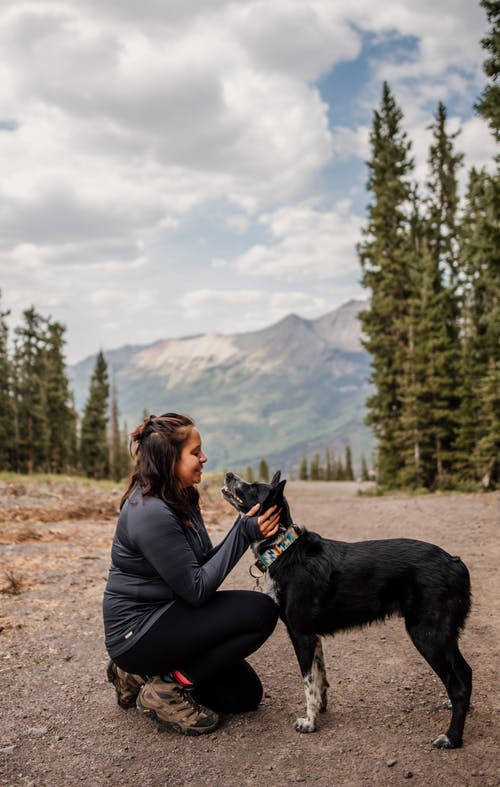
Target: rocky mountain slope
<point>295,387</point>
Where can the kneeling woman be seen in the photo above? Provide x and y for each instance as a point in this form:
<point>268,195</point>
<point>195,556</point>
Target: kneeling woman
<point>178,644</point>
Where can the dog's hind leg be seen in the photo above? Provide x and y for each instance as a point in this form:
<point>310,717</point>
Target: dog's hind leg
<point>309,654</point>
<point>446,660</point>
<point>459,687</point>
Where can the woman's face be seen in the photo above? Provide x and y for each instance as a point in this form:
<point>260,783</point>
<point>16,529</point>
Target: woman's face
<point>190,465</point>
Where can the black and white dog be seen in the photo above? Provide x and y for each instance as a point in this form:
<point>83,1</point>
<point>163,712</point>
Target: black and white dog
<point>323,586</point>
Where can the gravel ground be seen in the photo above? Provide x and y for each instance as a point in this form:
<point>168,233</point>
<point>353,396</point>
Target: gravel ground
<point>60,722</point>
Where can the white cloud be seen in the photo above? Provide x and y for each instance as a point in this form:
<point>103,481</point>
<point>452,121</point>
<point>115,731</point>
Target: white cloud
<point>478,143</point>
<point>445,65</point>
<point>149,114</point>
<point>349,142</point>
<point>243,310</point>
<point>237,222</point>
<point>106,105</point>
<point>306,244</point>
<point>448,31</point>
<point>293,37</point>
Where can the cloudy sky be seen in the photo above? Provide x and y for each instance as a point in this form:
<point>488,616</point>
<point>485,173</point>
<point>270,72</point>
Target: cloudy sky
<point>172,167</point>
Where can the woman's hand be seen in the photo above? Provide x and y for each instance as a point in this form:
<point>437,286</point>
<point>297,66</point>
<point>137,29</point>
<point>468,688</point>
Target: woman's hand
<point>269,521</point>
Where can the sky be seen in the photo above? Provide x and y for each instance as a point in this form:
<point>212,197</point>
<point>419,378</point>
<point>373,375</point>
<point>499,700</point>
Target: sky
<point>174,167</point>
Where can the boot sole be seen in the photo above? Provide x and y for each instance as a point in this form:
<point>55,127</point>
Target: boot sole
<point>125,704</point>
<point>171,725</point>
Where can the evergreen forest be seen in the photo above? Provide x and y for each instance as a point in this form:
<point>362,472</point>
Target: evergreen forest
<point>40,430</point>
<point>430,264</point>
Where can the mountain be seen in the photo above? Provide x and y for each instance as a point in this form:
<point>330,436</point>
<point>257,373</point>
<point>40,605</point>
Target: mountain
<point>295,387</point>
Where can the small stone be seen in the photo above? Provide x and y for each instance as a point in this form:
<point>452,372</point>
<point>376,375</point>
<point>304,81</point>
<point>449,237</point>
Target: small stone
<point>37,731</point>
<point>8,749</point>
<point>391,763</point>
<point>408,775</point>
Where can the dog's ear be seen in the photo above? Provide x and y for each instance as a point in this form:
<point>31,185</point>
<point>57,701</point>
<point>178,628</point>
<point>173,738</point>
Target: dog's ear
<point>275,479</point>
<point>280,487</point>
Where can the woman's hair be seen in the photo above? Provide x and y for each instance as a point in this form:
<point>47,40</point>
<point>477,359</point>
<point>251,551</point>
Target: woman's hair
<point>156,446</point>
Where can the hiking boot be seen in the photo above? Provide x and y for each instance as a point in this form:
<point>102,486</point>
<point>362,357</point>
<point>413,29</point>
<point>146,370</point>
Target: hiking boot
<point>174,707</point>
<point>127,685</point>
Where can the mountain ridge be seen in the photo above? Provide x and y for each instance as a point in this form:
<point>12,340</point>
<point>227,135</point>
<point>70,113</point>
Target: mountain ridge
<point>270,392</point>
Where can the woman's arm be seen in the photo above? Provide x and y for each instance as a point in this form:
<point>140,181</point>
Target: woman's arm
<point>258,527</point>
<point>159,535</point>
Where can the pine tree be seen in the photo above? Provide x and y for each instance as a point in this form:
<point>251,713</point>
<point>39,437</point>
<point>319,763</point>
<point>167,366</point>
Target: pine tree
<point>126,447</point>
<point>385,257</point>
<point>486,456</point>
<point>443,201</point>
<point>7,422</point>
<point>348,471</point>
<point>489,105</point>
<point>249,474</point>
<point>328,465</point>
<point>314,473</point>
<point>119,456</point>
<point>411,417</point>
<point>431,396</point>
<point>338,469</point>
<point>478,437</point>
<point>480,265</point>
<point>434,360</point>
<point>30,391</point>
<point>73,447</point>
<point>61,417</point>
<point>303,472</point>
<point>94,449</point>
<point>263,470</point>
<point>365,476</point>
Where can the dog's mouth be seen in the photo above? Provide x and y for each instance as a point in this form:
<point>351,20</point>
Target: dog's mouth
<point>231,496</point>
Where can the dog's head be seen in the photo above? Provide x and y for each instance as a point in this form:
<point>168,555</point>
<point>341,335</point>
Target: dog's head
<point>243,495</point>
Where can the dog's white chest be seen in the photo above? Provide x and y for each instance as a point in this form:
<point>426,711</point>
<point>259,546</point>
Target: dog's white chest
<point>270,587</point>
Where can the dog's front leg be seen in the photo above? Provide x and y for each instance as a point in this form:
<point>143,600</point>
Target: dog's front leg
<point>319,660</point>
<point>310,657</point>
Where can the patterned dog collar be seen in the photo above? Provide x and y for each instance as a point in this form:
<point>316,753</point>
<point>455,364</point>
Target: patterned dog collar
<point>271,554</point>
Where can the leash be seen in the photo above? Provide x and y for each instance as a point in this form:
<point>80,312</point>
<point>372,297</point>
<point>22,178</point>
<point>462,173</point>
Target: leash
<point>273,553</point>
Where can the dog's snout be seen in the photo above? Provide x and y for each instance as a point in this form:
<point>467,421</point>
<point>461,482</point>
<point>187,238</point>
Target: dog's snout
<point>230,476</point>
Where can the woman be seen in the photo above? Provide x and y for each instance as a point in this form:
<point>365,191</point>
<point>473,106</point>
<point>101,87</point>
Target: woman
<point>177,644</point>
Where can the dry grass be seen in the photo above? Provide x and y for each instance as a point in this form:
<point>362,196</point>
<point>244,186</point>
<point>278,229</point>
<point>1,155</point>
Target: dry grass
<point>14,586</point>
<point>26,533</point>
<point>43,498</point>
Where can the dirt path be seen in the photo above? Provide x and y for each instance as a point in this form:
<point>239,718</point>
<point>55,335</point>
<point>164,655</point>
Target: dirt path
<point>60,724</point>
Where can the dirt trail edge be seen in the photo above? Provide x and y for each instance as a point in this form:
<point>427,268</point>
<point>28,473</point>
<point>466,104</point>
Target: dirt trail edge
<point>60,724</point>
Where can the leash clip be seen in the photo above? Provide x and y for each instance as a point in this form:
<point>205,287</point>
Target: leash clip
<point>256,577</point>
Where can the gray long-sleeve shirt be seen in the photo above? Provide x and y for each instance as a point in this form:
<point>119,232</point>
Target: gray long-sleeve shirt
<point>156,559</point>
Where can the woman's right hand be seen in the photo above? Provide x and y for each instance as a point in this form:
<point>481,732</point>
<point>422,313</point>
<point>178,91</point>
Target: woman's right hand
<point>269,521</point>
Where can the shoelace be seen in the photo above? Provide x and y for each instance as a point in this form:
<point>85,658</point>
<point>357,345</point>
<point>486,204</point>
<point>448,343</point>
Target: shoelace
<point>186,694</point>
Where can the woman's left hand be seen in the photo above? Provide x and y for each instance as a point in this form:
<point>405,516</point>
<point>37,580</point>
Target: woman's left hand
<point>269,521</point>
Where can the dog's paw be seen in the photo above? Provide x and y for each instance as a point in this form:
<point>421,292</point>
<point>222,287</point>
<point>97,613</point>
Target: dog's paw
<point>305,725</point>
<point>443,742</point>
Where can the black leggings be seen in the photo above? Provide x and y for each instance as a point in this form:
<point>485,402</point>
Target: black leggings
<point>209,643</point>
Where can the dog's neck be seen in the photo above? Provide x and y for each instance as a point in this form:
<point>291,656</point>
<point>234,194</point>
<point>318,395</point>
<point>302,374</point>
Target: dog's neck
<point>285,516</point>
<point>283,540</point>
<point>285,523</point>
